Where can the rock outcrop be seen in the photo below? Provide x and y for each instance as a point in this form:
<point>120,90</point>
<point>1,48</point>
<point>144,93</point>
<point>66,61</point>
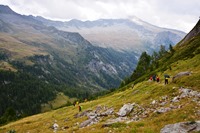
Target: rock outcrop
<point>194,32</point>
<point>131,112</point>
<point>125,110</point>
<point>181,74</point>
<point>182,127</point>
<point>94,116</point>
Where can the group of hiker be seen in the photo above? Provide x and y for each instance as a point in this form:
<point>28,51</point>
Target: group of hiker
<point>154,78</point>
<point>157,79</point>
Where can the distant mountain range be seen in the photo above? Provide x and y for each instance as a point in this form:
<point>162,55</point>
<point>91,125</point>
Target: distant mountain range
<point>120,34</point>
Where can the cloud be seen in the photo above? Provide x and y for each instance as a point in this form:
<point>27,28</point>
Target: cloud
<point>177,14</point>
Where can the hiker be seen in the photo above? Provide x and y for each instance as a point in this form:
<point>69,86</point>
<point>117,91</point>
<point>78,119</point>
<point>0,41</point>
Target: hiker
<point>154,77</point>
<point>151,78</point>
<point>166,78</point>
<point>80,108</point>
<point>74,104</point>
<point>132,86</point>
<point>157,79</point>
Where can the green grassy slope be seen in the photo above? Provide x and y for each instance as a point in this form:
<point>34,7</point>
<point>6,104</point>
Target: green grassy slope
<point>185,58</point>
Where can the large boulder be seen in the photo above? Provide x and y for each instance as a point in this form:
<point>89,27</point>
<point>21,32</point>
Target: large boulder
<point>125,110</point>
<point>182,127</point>
<point>181,74</point>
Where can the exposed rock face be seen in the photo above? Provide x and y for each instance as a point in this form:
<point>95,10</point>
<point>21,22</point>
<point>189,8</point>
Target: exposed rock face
<point>181,74</point>
<point>194,32</point>
<point>183,127</point>
<point>125,110</point>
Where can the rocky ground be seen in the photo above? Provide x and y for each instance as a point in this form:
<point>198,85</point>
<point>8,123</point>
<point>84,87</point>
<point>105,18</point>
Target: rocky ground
<point>130,112</point>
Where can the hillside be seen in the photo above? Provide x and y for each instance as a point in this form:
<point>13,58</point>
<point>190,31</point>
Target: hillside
<point>152,105</point>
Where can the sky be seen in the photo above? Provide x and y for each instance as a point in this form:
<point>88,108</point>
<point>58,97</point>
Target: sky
<point>175,14</point>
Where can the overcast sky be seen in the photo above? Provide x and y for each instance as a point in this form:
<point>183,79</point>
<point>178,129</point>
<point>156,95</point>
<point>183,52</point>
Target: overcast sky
<point>176,14</point>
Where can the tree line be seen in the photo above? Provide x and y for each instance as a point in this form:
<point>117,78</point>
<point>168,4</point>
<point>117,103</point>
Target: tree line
<point>147,64</point>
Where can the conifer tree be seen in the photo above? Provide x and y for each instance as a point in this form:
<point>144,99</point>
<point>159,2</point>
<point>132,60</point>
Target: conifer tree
<point>171,49</point>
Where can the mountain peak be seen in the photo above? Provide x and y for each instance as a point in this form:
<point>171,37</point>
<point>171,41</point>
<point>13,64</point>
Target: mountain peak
<point>194,32</point>
<point>136,20</point>
<point>6,10</point>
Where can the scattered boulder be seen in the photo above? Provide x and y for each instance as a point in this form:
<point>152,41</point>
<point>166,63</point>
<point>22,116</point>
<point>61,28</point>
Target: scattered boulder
<point>182,127</point>
<point>84,113</point>
<point>162,110</point>
<point>153,102</point>
<point>181,74</point>
<point>163,103</point>
<point>98,109</point>
<point>184,92</point>
<point>188,93</point>
<point>125,110</point>
<point>88,122</point>
<point>175,99</point>
<point>55,127</point>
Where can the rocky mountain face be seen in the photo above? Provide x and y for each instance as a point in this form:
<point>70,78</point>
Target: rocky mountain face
<point>120,34</point>
<point>194,32</point>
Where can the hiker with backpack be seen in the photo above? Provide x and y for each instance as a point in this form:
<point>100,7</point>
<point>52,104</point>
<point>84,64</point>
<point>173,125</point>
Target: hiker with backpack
<point>79,108</point>
<point>154,77</point>
<point>166,78</point>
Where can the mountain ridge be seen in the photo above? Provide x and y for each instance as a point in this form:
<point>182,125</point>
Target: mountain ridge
<point>194,32</point>
<point>137,35</point>
<point>6,9</point>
